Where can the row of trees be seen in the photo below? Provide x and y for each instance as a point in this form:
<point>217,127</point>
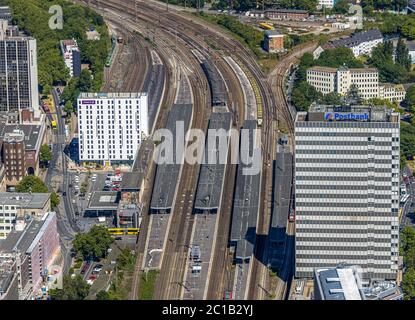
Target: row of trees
<point>407,250</point>
<point>392,70</point>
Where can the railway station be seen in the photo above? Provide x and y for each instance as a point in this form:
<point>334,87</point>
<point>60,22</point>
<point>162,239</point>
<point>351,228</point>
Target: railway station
<point>168,174</point>
<point>245,207</point>
<point>211,178</point>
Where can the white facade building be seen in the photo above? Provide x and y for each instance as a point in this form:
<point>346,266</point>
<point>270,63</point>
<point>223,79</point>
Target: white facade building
<point>340,80</point>
<point>326,3</point>
<point>18,70</point>
<point>72,56</point>
<point>347,189</point>
<point>361,43</point>
<point>111,126</point>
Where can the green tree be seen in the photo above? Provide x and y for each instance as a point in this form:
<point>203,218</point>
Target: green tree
<point>45,153</point>
<point>408,284</point>
<point>337,57</point>
<point>402,55</point>
<point>409,101</point>
<point>54,200</point>
<point>103,295</point>
<point>73,289</point>
<point>31,184</point>
<point>93,244</point>
<point>332,98</point>
<point>303,95</point>
<point>342,6</point>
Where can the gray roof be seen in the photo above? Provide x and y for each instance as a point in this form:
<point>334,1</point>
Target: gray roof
<point>245,205</point>
<point>131,181</point>
<point>167,175</point>
<point>357,38</point>
<point>271,33</point>
<point>217,86</point>
<point>24,200</point>
<point>331,290</point>
<point>210,184</point>
<point>21,240</point>
<point>104,200</point>
<point>281,194</point>
<point>33,134</point>
<point>410,45</point>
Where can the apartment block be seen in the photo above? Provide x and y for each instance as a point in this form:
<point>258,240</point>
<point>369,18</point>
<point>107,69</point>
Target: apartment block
<point>347,189</point>
<point>16,206</point>
<point>72,56</point>
<point>341,80</point>
<point>28,252</point>
<point>111,126</point>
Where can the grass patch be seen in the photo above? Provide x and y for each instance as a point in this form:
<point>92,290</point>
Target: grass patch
<point>147,283</point>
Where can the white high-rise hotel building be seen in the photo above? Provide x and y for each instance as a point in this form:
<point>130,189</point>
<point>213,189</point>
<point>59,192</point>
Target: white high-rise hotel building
<point>347,189</point>
<point>111,126</point>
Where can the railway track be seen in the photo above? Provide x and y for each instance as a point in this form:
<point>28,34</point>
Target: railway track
<point>186,31</point>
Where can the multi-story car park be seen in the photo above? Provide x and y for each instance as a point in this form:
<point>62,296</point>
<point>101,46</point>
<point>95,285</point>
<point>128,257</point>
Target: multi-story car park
<point>347,189</point>
<point>366,80</point>
<point>111,126</point>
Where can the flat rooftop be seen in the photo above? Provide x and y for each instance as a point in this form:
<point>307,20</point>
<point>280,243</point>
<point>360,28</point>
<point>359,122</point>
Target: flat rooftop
<point>24,200</point>
<point>339,284</point>
<point>210,184</point>
<point>167,174</point>
<point>348,113</point>
<point>245,204</point>
<point>21,240</point>
<point>104,200</point>
<point>111,95</point>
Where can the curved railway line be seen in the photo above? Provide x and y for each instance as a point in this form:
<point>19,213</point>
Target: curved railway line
<point>173,34</point>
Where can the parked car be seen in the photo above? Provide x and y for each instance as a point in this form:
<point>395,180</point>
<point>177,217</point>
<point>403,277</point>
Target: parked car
<point>97,269</point>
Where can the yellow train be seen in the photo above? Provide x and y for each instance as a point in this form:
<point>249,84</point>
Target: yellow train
<point>121,231</point>
<point>266,26</point>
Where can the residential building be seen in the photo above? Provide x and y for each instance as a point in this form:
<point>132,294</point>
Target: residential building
<point>15,206</point>
<point>341,80</point>
<point>326,3</point>
<point>20,145</point>
<point>31,250</point>
<point>340,283</point>
<point>111,126</point>
<point>72,56</point>
<point>6,14</point>
<point>273,41</point>
<point>361,43</point>
<point>347,189</point>
<point>286,14</point>
<point>18,70</point>
<point>255,13</point>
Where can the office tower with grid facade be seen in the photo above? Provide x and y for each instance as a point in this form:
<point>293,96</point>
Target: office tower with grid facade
<point>18,70</point>
<point>347,189</point>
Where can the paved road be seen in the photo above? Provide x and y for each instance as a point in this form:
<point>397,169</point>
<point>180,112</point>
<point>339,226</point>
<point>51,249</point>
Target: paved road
<point>408,214</point>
